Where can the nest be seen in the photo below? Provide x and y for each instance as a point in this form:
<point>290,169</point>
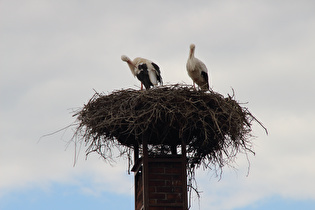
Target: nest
<point>214,128</point>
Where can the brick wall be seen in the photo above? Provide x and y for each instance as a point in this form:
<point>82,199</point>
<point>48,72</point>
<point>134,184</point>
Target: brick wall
<point>166,184</point>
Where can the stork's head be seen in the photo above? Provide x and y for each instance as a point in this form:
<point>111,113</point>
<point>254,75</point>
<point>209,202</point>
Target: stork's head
<point>130,64</point>
<point>192,50</point>
<point>125,58</point>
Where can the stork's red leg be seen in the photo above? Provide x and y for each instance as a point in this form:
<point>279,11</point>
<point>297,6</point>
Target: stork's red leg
<point>141,86</point>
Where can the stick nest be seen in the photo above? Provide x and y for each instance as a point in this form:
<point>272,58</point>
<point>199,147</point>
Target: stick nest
<point>214,128</point>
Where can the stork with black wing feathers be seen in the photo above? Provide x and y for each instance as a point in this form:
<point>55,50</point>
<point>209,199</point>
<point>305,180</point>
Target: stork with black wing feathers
<point>145,70</point>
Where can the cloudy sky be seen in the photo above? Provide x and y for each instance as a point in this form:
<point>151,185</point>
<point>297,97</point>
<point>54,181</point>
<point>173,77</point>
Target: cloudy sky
<point>54,53</point>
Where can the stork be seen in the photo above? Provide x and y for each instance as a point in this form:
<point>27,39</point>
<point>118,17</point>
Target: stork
<point>197,70</point>
<point>145,70</point>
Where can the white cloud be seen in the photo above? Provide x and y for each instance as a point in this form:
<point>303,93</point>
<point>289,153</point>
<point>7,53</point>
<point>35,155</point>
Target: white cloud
<point>55,52</point>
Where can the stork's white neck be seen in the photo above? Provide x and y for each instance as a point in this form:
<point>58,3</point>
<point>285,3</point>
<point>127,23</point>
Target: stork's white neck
<point>132,67</point>
<point>192,53</point>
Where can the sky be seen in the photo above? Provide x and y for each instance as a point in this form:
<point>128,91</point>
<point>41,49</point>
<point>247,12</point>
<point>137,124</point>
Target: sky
<point>55,54</point>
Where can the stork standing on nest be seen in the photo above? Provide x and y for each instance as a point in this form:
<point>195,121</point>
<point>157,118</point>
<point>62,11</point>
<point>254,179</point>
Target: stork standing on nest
<point>197,70</point>
<point>145,70</point>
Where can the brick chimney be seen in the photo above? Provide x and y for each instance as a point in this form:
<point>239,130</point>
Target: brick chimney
<point>160,181</point>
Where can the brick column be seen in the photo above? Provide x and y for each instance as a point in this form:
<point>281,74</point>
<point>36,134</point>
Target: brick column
<point>161,183</point>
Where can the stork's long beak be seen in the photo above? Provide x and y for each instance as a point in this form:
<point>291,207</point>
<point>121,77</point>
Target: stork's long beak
<point>129,62</point>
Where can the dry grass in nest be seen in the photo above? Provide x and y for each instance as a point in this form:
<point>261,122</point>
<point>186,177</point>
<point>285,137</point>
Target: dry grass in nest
<point>214,128</point>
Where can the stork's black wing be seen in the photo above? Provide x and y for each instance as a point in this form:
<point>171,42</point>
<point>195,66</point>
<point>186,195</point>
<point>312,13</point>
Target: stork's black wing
<point>158,75</point>
<point>205,77</point>
<point>143,76</point>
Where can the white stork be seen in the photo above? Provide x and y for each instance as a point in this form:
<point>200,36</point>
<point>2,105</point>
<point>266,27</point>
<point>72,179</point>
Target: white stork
<point>197,70</point>
<point>145,70</point>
